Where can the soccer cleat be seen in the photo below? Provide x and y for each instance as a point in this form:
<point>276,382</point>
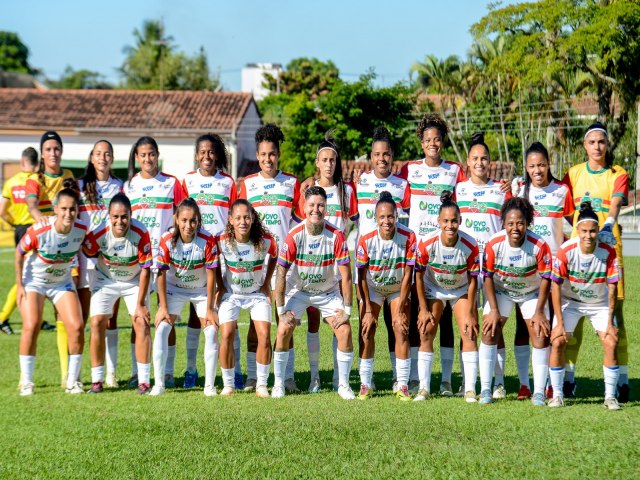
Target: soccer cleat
<point>421,396</point>
<point>210,391</point>
<point>569,389</point>
<point>485,397</point>
<point>6,328</point>
<point>227,391</point>
<point>499,393</point>
<point>446,390</point>
<point>523,393</point>
<point>623,393</point>
<point>277,391</point>
<point>238,381</point>
<point>556,402</point>
<point>110,380</point>
<point>414,386</point>
<point>403,394</point>
<point>314,385</point>
<point>549,392</point>
<point>143,389</point>
<point>27,389</point>
<point>250,385</point>
<point>346,393</point>
<point>262,392</point>
<point>46,326</point>
<point>169,380</point>
<point>470,396</point>
<point>133,381</point>
<point>365,392</point>
<point>394,387</point>
<point>611,404</point>
<point>157,390</point>
<point>75,389</point>
<point>290,386</point>
<point>96,387</point>
<point>461,392</point>
<point>190,379</point>
<point>538,400</point>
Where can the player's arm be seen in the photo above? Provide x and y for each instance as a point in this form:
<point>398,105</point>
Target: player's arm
<point>281,281</point>
<point>363,288</point>
<point>163,311</point>
<point>612,300</point>
<point>142,310</point>
<point>211,317</point>
<point>220,288</point>
<point>556,300</point>
<point>32,206</point>
<point>19,262</point>
<point>490,320</point>
<point>424,316</point>
<point>347,288</point>
<point>266,286</point>
<point>4,212</point>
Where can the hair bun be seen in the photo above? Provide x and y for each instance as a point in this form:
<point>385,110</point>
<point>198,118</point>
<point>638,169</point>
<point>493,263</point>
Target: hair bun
<point>381,134</point>
<point>477,138</point>
<point>446,196</point>
<point>586,206</point>
<point>384,195</point>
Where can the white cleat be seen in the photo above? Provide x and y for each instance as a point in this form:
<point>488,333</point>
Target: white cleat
<point>346,393</point>
<point>157,390</point>
<point>227,391</point>
<point>499,393</point>
<point>556,402</point>
<point>27,389</point>
<point>210,391</point>
<point>611,403</point>
<point>75,389</point>
<point>422,395</point>
<point>110,380</point>
<point>277,391</point>
<point>262,392</point>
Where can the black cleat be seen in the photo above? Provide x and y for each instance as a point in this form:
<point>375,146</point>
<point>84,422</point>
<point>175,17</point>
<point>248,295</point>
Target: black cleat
<point>623,393</point>
<point>6,328</point>
<point>47,326</point>
<point>569,389</point>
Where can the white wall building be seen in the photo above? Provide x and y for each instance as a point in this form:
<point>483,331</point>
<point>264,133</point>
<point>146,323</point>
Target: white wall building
<point>253,77</point>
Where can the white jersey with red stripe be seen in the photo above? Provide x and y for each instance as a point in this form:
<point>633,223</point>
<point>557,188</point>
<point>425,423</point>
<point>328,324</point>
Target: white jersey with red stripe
<point>447,268</point>
<point>186,263</point>
<point>93,215</point>
<point>334,213</point>
<point>427,184</point>
<point>245,265</point>
<point>386,260</point>
<point>517,271</point>
<point>551,204</point>
<point>480,209</point>
<point>53,253</point>
<point>275,200</point>
<point>583,276</point>
<point>313,258</point>
<point>368,193</point>
<point>214,195</point>
<point>152,204</point>
<point>120,259</point>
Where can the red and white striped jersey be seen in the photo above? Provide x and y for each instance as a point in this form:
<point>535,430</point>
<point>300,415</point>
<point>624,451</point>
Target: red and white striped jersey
<point>120,259</point>
<point>385,260</point>
<point>313,258</point>
<point>53,252</point>
<point>447,267</point>
<point>245,265</point>
<point>93,215</point>
<point>334,214</point>
<point>368,193</point>
<point>214,196</point>
<point>517,271</point>
<point>584,277</point>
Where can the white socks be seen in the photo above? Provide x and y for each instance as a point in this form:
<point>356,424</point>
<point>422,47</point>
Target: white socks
<point>75,362</point>
<point>470,362</point>
<point>522,353</point>
<point>280,360</point>
<point>227,377</point>
<point>498,369</point>
<point>540,362</point>
<point>366,371</point>
<point>144,373</point>
<point>425,362</point>
<point>611,375</point>
<point>403,366</point>
<point>237,350</point>
<point>290,365</point>
<point>251,365</point>
<point>134,366</point>
<point>556,375</point>
<point>394,370</point>
<point>111,342</point>
<point>161,351</point>
<point>413,355</point>
<point>345,359</point>
<point>27,365</point>
<point>313,348</point>
<point>263,374</point>
<point>211,355</point>
<point>171,359</point>
<point>97,374</point>
<point>193,341</point>
<point>446,361</point>
<point>487,359</point>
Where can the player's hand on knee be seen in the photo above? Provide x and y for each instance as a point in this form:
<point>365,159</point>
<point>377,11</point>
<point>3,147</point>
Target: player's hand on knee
<point>490,323</point>
<point>540,325</point>
<point>471,328</point>
<point>162,315</point>
<point>558,332</point>
<point>340,318</point>
<point>612,331</point>
<point>289,319</point>
<point>401,322</point>
<point>367,322</point>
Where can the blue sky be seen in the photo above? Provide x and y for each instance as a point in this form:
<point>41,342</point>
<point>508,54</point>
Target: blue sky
<point>388,36</point>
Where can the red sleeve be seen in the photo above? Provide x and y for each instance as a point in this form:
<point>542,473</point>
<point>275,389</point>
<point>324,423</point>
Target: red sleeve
<point>489,266</point>
<point>544,260</point>
<point>288,252</point>
<point>243,191</point>
<point>567,181</point>
<point>362,255</point>
<point>211,253</point>
<point>422,257</point>
<point>559,271</point>
<point>145,258</point>
<point>29,241</point>
<point>90,245</point>
<point>340,250</point>
<point>569,208</point>
<point>406,200</point>
<point>185,190</point>
<point>298,211</point>
<point>473,265</point>
<point>32,188</point>
<point>233,193</point>
<point>353,204</point>
<point>164,258</point>
<point>404,172</point>
<point>461,176</point>
<point>178,193</point>
<point>410,255</point>
<point>621,188</point>
<point>273,248</point>
<point>296,202</point>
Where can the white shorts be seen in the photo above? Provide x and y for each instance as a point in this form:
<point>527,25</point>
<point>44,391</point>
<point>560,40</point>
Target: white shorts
<point>451,296</point>
<point>378,297</point>
<point>105,295</point>
<point>527,305</point>
<point>176,300</point>
<point>52,292</point>
<point>257,303</point>
<point>328,302</point>
<point>573,311</point>
<point>87,268</point>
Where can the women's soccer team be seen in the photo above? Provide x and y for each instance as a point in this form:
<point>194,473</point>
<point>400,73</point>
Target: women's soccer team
<point>277,248</point>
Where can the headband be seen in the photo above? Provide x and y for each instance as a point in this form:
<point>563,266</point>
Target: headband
<point>327,148</point>
<point>587,220</point>
<point>596,129</point>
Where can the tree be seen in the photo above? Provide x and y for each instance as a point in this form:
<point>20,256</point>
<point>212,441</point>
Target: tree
<point>14,55</point>
<point>304,75</point>
<point>80,79</point>
<point>154,64</point>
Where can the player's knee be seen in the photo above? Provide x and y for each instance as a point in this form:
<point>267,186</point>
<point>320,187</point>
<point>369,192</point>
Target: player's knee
<point>227,335</point>
<point>559,343</point>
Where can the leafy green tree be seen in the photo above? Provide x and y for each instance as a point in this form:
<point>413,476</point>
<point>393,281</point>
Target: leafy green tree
<point>14,55</point>
<point>80,79</point>
<point>304,75</point>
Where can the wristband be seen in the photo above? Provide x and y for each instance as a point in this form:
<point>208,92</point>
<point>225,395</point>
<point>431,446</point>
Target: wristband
<point>347,309</point>
<point>610,221</point>
<point>280,310</point>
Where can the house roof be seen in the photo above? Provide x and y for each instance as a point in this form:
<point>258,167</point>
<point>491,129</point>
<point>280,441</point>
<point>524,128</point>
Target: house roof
<point>128,110</point>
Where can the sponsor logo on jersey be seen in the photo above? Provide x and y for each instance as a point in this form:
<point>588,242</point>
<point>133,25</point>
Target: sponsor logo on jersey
<point>117,248</point>
<point>540,197</point>
<point>314,245</point>
<point>380,185</point>
<point>206,185</point>
<point>515,258</point>
<point>478,194</point>
<point>63,244</point>
<point>269,186</point>
<point>146,189</point>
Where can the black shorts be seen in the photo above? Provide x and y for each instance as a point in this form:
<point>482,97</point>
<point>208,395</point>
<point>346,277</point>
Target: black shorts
<point>19,233</point>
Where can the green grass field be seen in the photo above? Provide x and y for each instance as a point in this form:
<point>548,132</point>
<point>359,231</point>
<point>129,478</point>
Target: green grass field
<point>186,435</point>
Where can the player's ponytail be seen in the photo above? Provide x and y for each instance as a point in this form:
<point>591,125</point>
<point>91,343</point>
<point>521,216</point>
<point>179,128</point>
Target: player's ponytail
<point>446,201</point>
<point>587,213</point>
